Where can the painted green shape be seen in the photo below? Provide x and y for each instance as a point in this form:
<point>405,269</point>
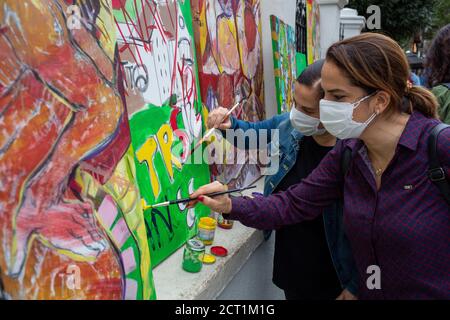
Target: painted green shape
<point>131,9</point>
<point>301,62</point>
<point>284,60</point>
<point>167,228</point>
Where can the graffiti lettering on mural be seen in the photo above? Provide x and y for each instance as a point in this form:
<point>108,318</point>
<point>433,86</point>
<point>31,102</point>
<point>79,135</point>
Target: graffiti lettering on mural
<point>284,60</point>
<point>73,17</point>
<point>161,83</point>
<point>156,47</point>
<point>228,42</point>
<point>163,140</point>
<point>165,215</point>
<point>68,199</point>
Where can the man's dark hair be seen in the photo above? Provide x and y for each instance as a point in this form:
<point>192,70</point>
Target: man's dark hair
<point>311,74</point>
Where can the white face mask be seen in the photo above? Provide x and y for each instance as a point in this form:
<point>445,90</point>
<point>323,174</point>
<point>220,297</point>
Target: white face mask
<point>307,125</point>
<point>337,118</point>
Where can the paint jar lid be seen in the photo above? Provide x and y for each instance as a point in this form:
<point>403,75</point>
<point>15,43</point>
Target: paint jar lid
<point>219,251</point>
<point>196,245</point>
<point>208,259</point>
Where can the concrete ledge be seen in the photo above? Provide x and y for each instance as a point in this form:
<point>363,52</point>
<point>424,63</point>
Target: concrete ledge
<point>173,283</point>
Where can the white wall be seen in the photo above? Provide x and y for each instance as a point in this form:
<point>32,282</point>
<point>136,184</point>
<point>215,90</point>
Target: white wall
<point>285,10</point>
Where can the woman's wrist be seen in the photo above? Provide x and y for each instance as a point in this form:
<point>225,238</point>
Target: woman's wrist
<point>229,206</point>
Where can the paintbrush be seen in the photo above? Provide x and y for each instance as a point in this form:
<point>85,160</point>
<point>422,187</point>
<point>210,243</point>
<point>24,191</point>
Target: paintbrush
<point>185,200</point>
<point>210,131</point>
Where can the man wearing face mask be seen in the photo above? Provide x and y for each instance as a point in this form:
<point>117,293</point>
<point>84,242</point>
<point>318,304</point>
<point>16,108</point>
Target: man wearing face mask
<point>303,265</point>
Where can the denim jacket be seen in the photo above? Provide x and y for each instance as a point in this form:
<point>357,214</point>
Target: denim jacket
<point>288,149</point>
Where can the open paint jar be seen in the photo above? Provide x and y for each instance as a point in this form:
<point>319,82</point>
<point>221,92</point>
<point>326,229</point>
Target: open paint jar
<point>193,256</point>
<point>206,230</point>
<point>223,223</point>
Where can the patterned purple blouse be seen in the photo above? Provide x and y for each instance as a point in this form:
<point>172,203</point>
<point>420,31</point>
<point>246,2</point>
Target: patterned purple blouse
<point>404,228</point>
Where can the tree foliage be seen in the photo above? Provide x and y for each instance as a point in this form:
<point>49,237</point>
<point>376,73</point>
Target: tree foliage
<point>401,19</point>
<point>441,17</point>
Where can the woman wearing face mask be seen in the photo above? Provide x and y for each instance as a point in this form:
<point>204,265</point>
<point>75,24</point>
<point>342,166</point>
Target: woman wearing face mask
<point>303,267</point>
<point>395,216</point>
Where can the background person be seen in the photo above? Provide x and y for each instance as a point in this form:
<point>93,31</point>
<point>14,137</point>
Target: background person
<point>438,71</point>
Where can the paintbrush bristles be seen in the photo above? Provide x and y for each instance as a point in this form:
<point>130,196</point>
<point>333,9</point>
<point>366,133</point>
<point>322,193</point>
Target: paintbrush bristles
<point>162,204</point>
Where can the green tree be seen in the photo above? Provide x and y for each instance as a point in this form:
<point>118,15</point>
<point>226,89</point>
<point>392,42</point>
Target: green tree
<point>400,19</point>
<point>441,17</point>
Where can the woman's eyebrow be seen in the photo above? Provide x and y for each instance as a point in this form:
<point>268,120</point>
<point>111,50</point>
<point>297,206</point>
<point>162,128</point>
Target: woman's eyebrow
<point>335,91</point>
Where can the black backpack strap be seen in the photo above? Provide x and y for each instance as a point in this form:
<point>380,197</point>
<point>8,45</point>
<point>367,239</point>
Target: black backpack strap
<point>436,173</point>
<point>346,159</point>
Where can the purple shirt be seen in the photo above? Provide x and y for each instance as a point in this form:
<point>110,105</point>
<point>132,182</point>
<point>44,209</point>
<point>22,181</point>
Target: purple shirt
<point>404,228</point>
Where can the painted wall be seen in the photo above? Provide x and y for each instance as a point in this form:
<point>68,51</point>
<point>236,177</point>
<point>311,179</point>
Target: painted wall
<point>285,10</point>
<point>284,59</point>
<point>71,223</point>
<point>157,50</point>
<point>228,41</point>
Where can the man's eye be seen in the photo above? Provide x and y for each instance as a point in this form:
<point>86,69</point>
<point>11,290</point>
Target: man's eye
<point>339,97</point>
<point>306,111</point>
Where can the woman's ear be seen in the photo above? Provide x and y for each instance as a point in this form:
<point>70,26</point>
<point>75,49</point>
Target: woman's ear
<point>381,101</point>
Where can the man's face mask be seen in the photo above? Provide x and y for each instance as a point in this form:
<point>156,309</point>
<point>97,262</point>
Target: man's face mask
<point>307,125</point>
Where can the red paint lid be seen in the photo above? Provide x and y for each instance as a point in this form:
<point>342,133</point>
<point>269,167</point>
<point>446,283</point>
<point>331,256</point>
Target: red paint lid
<point>219,251</point>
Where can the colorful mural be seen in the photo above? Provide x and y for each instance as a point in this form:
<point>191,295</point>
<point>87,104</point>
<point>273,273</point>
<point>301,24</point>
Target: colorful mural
<point>284,60</point>
<point>71,222</point>
<point>313,31</point>
<point>228,42</point>
<point>166,115</point>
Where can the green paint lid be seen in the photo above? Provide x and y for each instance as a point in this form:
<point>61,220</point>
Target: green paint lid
<point>196,245</point>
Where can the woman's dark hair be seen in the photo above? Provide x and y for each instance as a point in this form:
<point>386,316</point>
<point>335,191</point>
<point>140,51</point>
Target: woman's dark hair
<point>373,61</point>
<point>311,74</point>
<point>437,62</point>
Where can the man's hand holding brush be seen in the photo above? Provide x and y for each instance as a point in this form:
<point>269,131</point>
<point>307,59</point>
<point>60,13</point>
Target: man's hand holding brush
<point>219,119</point>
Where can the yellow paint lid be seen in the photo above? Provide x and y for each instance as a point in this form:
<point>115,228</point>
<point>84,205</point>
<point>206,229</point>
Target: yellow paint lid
<point>208,259</point>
